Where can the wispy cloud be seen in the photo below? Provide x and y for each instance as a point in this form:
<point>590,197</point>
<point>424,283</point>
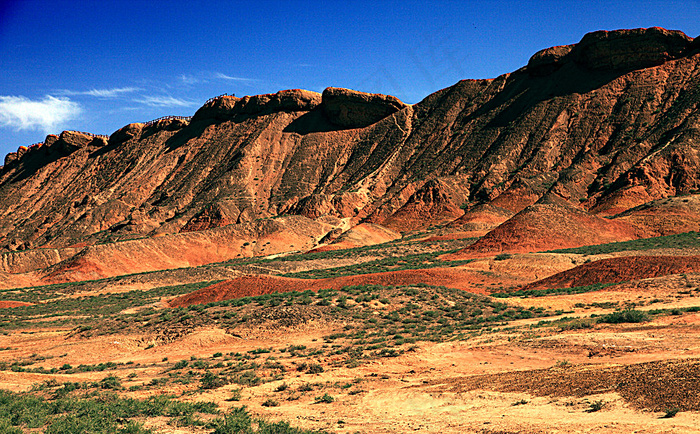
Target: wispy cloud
<point>190,79</point>
<point>222,76</point>
<point>111,93</point>
<point>165,101</point>
<point>103,93</point>
<point>46,115</point>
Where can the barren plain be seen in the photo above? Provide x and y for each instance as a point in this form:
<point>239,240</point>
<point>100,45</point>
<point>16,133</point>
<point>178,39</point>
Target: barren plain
<point>364,349</point>
<point>512,255</point>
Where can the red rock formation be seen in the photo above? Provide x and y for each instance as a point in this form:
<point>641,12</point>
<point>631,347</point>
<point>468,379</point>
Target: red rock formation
<point>430,205</point>
<point>352,109</point>
<point>550,223</point>
<point>364,234</point>
<point>249,286</point>
<point>614,270</point>
<point>609,123</point>
<point>4,304</point>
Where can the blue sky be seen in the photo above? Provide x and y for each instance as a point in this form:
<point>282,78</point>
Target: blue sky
<point>96,65</point>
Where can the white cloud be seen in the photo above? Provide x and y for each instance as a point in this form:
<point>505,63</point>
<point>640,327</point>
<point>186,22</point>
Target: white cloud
<point>165,101</point>
<point>46,115</point>
<point>222,76</point>
<point>189,79</point>
<point>102,93</point>
<point>111,93</point>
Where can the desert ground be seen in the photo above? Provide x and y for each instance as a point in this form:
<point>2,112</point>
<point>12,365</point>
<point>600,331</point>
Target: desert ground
<point>389,338</point>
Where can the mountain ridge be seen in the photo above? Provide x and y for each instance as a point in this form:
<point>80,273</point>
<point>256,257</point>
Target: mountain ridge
<point>605,125</point>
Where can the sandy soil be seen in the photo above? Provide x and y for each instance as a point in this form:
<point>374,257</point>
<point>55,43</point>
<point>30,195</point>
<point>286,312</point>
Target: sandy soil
<point>516,379</point>
<point>529,376</point>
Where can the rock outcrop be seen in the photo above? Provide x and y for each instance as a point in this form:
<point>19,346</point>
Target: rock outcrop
<point>616,270</point>
<point>630,49</point>
<point>229,107</point>
<point>351,109</point>
<point>432,204</point>
<point>615,50</point>
<point>546,61</point>
<point>549,224</point>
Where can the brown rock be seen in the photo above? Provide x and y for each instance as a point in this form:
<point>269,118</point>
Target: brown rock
<point>694,46</point>
<point>364,234</point>
<point>546,61</point>
<point>50,139</point>
<point>292,100</point>
<point>213,216</point>
<point>430,205</point>
<point>549,224</point>
<point>70,141</point>
<point>351,109</point>
<point>228,107</point>
<point>614,270</point>
<point>10,158</point>
<point>126,133</point>
<point>629,49</point>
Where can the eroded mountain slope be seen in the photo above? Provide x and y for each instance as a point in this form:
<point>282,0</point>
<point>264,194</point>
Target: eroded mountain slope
<point>605,125</point>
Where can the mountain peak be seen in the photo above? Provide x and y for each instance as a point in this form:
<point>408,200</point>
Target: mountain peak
<point>618,50</point>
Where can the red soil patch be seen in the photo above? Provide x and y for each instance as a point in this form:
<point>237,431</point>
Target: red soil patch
<point>482,218</point>
<point>188,249</point>
<point>329,248</point>
<point>8,303</point>
<point>517,198</point>
<point>549,224</point>
<point>672,215</point>
<point>431,204</point>
<point>258,285</point>
<point>446,237</point>
<point>622,269</point>
<point>364,234</point>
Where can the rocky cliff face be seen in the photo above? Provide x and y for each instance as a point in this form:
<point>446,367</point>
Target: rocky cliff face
<point>604,125</point>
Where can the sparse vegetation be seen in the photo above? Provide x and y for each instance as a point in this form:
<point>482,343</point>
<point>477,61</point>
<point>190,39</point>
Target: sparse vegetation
<point>553,291</point>
<point>382,322</point>
<point>625,316</point>
<point>539,157</point>
<point>596,406</point>
<point>408,262</point>
<point>103,412</point>
<point>503,256</point>
<point>680,241</point>
<point>670,412</point>
<point>325,399</point>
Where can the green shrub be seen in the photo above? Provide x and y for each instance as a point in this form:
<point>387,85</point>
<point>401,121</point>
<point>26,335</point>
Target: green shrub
<point>111,382</point>
<point>325,399</point>
<point>237,421</point>
<point>596,406</point>
<point>133,427</point>
<point>306,387</point>
<point>212,381</point>
<point>247,378</point>
<point>670,412</point>
<point>235,395</point>
<point>314,368</point>
<point>179,365</point>
<point>624,316</point>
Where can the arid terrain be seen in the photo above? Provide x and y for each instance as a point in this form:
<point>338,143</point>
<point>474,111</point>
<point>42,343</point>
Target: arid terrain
<point>514,255</point>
